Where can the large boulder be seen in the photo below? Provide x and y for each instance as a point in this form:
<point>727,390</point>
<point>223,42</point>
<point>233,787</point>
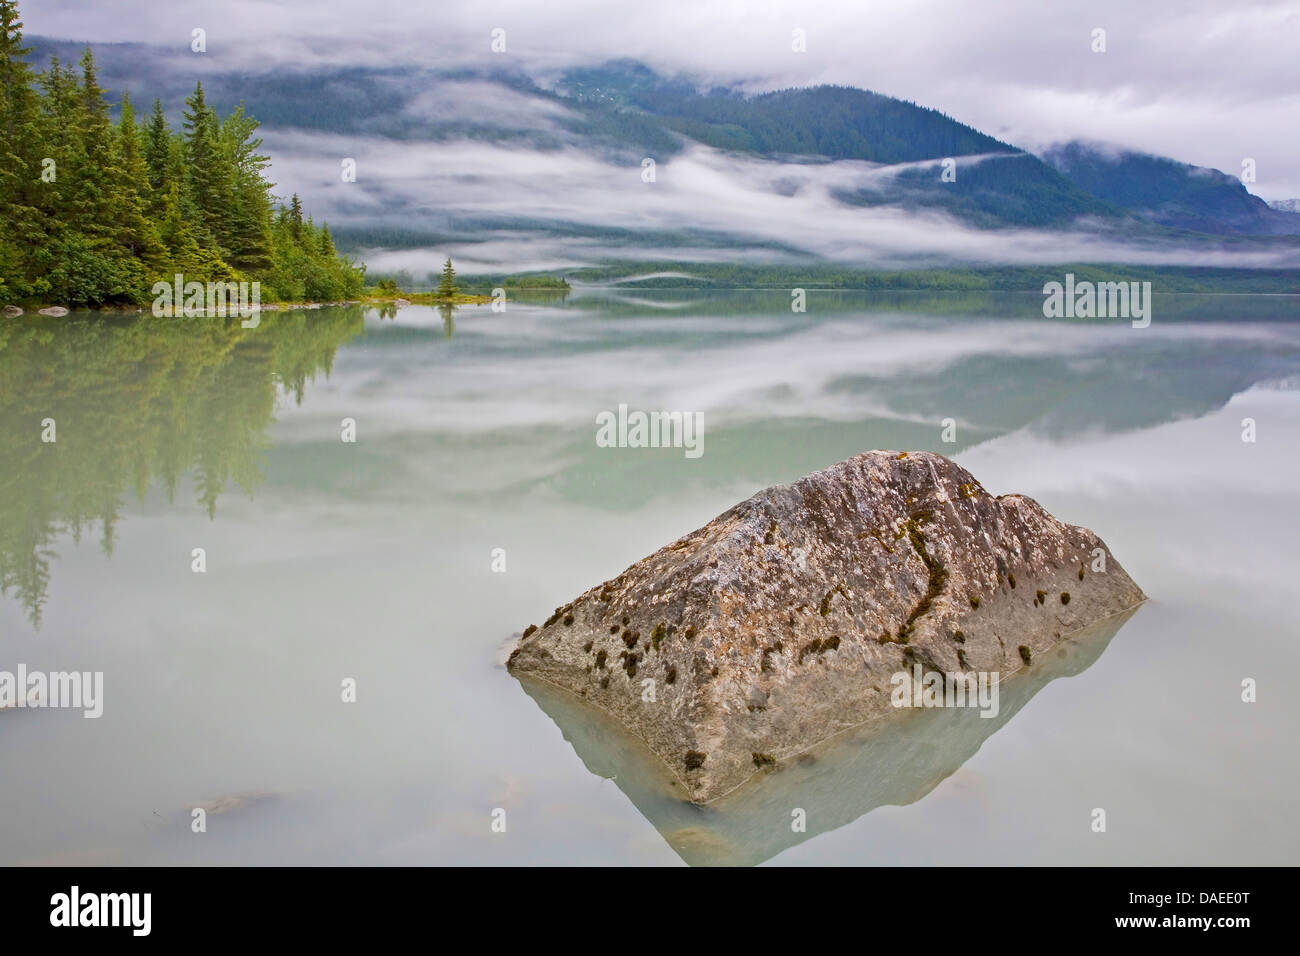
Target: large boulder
<point>783,621</point>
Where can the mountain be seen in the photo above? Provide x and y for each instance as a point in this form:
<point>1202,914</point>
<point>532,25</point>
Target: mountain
<point>832,151</point>
<point>829,123</point>
<point>1171,193</point>
<point>834,122</point>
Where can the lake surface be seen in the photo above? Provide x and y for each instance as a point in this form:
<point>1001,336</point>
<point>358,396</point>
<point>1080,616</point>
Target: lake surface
<point>373,561</point>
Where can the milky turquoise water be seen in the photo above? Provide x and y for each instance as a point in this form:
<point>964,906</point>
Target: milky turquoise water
<point>373,561</point>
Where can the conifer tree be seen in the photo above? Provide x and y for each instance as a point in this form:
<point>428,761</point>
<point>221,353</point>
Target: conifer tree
<point>447,284</point>
<point>94,173</point>
<point>210,177</point>
<point>248,221</point>
<point>136,233</point>
<point>57,121</point>
<point>295,218</point>
<point>22,227</point>
<point>157,151</point>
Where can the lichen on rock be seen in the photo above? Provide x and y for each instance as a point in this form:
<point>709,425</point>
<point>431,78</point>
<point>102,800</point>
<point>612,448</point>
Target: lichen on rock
<point>779,624</point>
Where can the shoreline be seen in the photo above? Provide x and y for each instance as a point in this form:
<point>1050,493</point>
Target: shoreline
<point>414,298</point>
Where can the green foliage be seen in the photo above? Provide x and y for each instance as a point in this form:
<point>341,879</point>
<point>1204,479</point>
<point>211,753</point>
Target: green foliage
<point>93,213</point>
<point>447,284</point>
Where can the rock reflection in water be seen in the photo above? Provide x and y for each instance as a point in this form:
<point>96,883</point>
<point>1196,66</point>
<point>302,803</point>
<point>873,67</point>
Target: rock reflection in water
<point>893,763</point>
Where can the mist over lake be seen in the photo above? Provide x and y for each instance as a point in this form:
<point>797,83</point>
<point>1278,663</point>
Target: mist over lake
<point>373,561</point>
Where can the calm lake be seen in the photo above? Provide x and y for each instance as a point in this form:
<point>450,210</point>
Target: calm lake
<point>373,561</point>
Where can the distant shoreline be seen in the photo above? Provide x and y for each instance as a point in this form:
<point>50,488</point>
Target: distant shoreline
<point>413,298</point>
<point>668,274</point>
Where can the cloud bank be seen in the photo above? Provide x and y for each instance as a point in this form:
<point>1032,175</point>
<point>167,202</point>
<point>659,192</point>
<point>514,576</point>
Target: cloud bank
<point>704,205</point>
<point>1197,80</point>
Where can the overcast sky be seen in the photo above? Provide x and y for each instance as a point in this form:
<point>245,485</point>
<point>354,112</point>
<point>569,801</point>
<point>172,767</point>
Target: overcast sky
<point>1210,82</point>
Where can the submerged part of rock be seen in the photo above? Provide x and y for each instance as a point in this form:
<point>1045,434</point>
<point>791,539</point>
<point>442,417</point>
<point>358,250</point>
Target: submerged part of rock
<point>882,763</point>
<point>782,622</point>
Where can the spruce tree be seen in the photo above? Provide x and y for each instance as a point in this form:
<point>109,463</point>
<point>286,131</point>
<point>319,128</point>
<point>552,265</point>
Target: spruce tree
<point>209,176</point>
<point>447,284</point>
<point>157,151</point>
<point>16,96</point>
<point>295,218</point>
<point>136,232</point>
<point>23,239</point>
<point>94,195</point>
<point>248,223</point>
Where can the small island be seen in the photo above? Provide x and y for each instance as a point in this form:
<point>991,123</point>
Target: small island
<point>388,290</point>
<point>447,292</point>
